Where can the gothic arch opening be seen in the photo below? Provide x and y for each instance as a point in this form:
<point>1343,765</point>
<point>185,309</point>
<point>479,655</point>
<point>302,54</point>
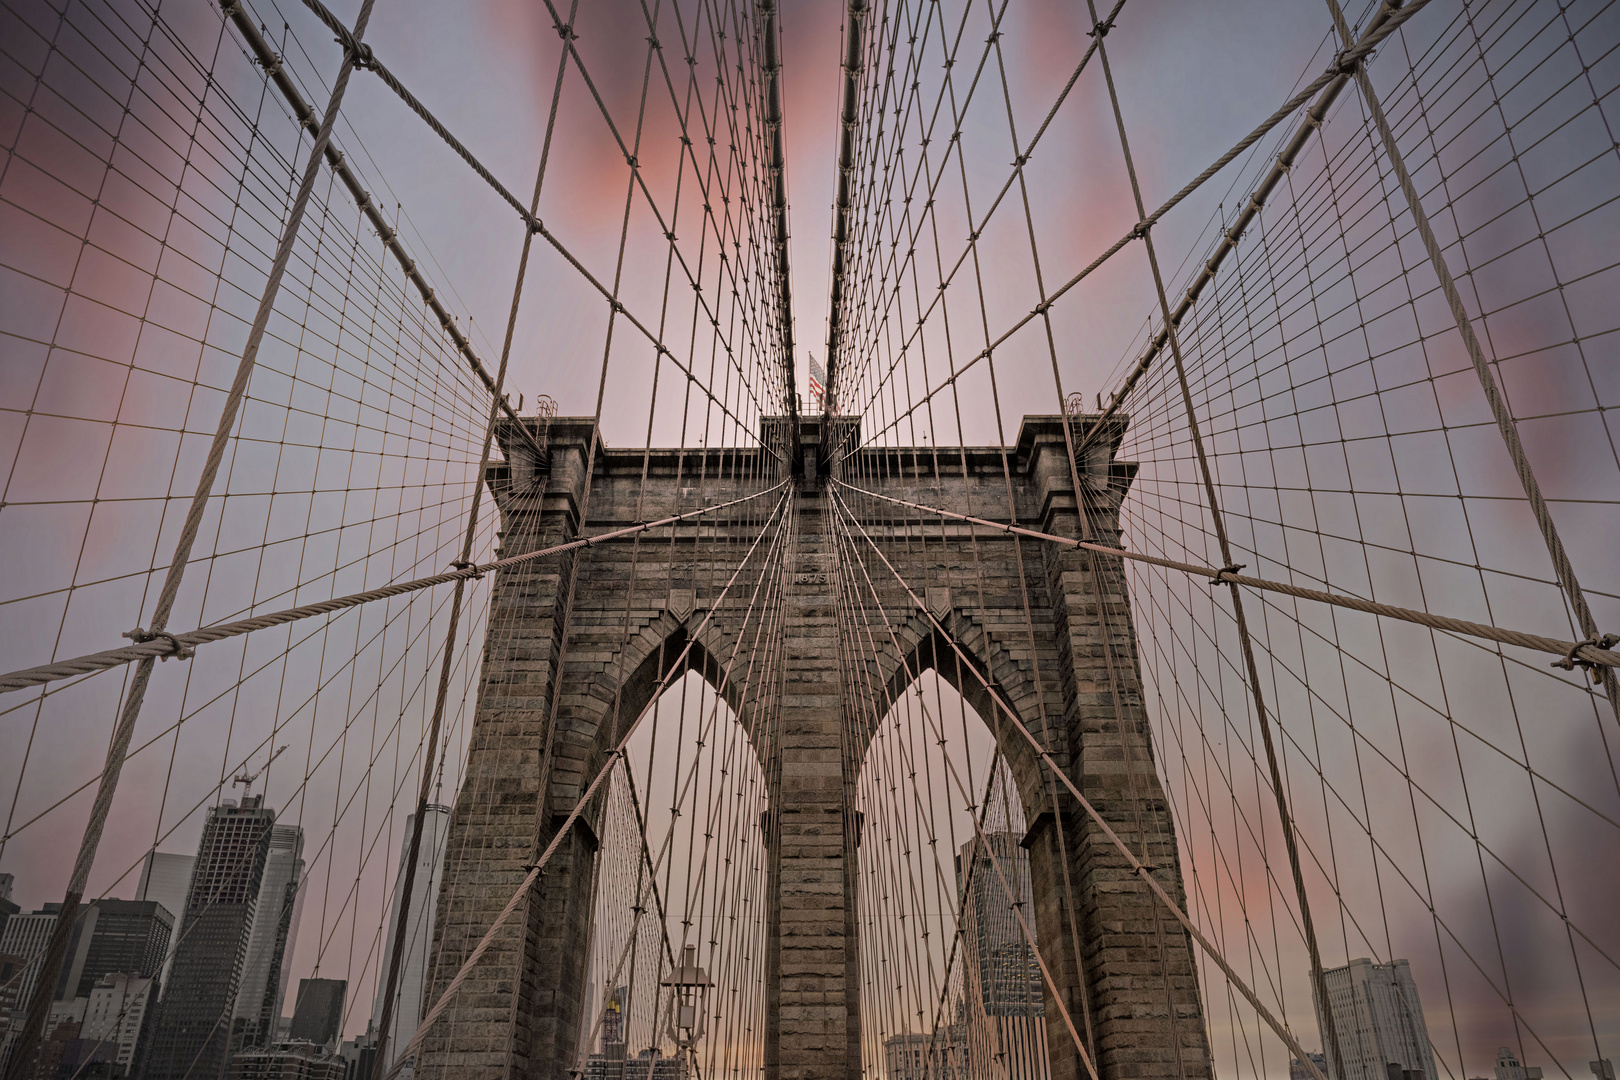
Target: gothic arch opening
<point>947,905</point>
<point>682,865</point>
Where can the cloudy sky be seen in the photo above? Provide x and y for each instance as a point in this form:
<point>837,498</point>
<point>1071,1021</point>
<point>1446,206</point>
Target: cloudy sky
<point>1192,79</point>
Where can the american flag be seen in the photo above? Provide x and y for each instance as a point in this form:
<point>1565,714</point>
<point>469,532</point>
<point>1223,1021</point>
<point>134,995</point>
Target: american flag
<point>818,379</point>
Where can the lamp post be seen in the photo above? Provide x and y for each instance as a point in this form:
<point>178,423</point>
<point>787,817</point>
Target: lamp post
<point>690,985</point>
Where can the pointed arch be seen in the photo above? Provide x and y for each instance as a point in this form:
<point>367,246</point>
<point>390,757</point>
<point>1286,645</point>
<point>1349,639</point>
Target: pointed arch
<point>605,692</point>
<point>985,672</point>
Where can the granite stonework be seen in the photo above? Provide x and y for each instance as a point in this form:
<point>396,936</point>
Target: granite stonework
<point>1046,627</point>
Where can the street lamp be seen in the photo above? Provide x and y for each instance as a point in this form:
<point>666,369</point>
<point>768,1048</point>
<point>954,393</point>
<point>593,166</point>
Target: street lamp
<point>690,984</point>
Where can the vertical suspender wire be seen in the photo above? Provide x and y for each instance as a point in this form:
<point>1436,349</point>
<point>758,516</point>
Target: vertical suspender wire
<point>1095,570</point>
<point>1057,839</point>
<point>28,1038</point>
<point>548,752</point>
<point>408,886</point>
<point>911,677</point>
<point>1505,423</point>
<point>1246,643</point>
<point>634,933</point>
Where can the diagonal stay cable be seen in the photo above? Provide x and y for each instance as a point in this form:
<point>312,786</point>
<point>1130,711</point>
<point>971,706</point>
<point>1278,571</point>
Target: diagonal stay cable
<point>1332,75</point>
<point>614,756</point>
<point>306,116</point>
<point>950,767</point>
<point>371,63</point>
<point>391,980</point>
<point>164,645</point>
<point>1387,19</point>
<point>26,1040</point>
<point>1505,422</point>
<point>1585,652</point>
<point>1019,165</point>
<point>1141,869</point>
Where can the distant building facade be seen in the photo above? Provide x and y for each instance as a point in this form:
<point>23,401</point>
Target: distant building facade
<point>166,878</point>
<point>286,1061</point>
<point>915,1056</point>
<point>1004,999</point>
<point>117,1022</point>
<point>129,937</point>
<point>8,906</point>
<point>318,1013</point>
<point>649,1064</point>
<point>25,936</point>
<point>1509,1068</point>
<point>265,967</point>
<point>1379,1020</point>
<point>11,967</point>
<point>359,1054</point>
<point>1298,1070</point>
<point>193,1032</point>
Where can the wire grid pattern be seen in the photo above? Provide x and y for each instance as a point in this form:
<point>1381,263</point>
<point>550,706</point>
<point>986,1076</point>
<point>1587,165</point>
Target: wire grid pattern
<point>1343,423</point>
<point>1352,450</point>
<point>148,174</point>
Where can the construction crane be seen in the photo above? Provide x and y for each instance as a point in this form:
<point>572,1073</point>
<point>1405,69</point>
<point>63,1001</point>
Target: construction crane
<point>246,778</point>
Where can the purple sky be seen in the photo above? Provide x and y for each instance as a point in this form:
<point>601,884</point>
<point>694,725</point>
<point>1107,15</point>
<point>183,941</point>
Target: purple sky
<point>1192,79</point>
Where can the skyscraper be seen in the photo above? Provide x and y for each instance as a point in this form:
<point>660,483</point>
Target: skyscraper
<point>418,930</point>
<point>109,936</point>
<point>275,928</point>
<point>25,937</point>
<point>192,1035</point>
<point>318,1014</point>
<point>1001,976</point>
<point>129,937</point>
<point>1379,1021</point>
<point>1508,1067</point>
<point>166,878</point>
<point>8,907</point>
<point>118,1013</point>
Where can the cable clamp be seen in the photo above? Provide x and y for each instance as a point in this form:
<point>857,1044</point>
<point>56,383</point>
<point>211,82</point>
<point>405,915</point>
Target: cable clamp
<point>272,66</point>
<point>465,564</point>
<point>228,8</point>
<point>1101,31</point>
<point>1345,64</point>
<point>359,54</point>
<point>1139,231</point>
<point>178,649</point>
<point>1225,574</point>
<point>1597,641</point>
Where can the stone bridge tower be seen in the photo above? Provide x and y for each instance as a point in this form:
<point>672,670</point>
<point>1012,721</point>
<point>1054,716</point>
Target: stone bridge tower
<point>1131,990</point>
